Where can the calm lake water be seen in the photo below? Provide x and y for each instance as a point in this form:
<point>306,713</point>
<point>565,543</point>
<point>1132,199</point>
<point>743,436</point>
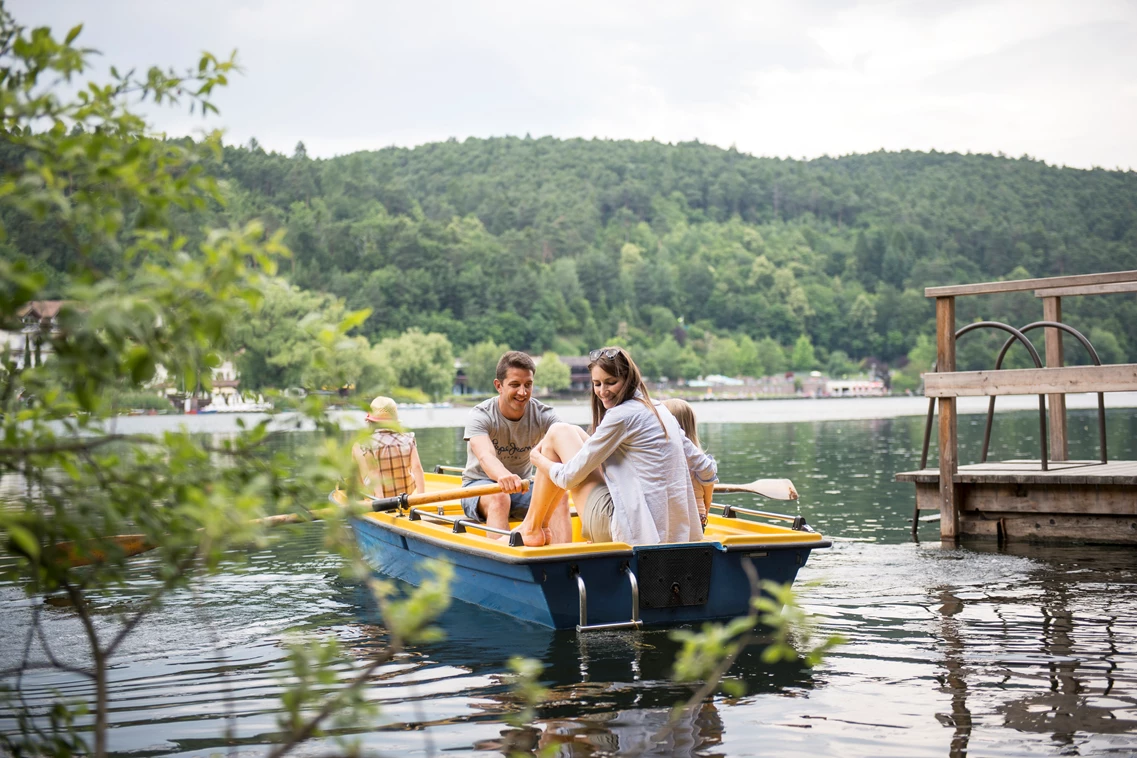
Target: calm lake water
<point>977,650</point>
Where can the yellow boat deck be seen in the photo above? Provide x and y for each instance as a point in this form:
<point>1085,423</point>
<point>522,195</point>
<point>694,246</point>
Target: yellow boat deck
<point>731,533</point>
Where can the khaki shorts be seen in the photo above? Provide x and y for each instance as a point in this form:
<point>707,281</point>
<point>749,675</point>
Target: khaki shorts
<point>596,519</point>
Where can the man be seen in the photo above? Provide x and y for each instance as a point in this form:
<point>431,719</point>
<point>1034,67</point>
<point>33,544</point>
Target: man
<point>499,434</point>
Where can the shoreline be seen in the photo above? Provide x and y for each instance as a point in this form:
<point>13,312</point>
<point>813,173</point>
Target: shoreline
<point>709,412</point>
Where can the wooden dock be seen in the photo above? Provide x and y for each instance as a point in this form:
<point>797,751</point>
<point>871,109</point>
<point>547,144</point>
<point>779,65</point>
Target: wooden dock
<point>1049,498</point>
<point>1015,500</point>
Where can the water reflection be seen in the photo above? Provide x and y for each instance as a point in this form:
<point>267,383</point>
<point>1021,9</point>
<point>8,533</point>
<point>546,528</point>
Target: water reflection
<point>1069,647</point>
<point>972,651</point>
<point>955,681</point>
<point>639,732</point>
<point>609,692</point>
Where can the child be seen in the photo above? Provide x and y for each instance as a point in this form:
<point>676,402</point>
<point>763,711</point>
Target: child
<point>685,415</point>
<point>388,461</point>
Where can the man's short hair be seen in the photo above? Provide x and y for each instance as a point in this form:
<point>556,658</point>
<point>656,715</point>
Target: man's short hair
<point>514,359</point>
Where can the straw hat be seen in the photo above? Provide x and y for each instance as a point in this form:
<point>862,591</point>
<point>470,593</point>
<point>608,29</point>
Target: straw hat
<point>384,412</point>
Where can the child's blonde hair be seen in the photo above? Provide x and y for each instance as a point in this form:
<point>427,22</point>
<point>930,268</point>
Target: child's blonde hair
<point>685,415</point>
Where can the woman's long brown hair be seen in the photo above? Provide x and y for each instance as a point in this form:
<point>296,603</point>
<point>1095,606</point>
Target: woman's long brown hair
<point>622,366</point>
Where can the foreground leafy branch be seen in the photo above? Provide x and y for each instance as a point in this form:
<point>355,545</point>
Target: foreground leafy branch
<point>156,294</point>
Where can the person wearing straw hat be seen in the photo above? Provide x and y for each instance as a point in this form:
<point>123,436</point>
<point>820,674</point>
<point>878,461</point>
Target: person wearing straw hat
<point>388,460</point>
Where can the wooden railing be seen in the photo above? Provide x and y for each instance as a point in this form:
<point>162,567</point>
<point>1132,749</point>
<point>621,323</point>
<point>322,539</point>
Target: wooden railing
<point>1033,381</point>
<point>1054,381</point>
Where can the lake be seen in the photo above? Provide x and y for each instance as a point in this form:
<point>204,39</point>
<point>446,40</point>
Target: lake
<point>1027,650</point>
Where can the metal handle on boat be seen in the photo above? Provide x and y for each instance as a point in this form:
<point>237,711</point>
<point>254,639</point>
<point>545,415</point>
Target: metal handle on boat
<point>583,592</point>
<point>729,511</point>
<point>440,469</point>
<point>633,623</point>
<point>460,523</point>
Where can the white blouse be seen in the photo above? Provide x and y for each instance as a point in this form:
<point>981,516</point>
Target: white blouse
<point>649,474</point>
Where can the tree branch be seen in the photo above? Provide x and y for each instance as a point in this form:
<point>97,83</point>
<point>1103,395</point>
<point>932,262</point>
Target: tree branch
<point>332,704</point>
<point>150,603</point>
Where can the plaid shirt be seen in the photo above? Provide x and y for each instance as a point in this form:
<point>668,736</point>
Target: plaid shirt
<point>392,451</point>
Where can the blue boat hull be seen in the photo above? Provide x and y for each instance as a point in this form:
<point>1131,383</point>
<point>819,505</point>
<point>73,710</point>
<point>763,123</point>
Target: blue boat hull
<point>674,584</point>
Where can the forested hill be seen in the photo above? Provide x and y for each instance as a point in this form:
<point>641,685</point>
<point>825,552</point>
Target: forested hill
<point>700,259</point>
<point>566,243</point>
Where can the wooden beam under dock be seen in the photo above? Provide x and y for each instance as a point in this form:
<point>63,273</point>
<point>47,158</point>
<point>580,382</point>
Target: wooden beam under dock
<point>1015,500</point>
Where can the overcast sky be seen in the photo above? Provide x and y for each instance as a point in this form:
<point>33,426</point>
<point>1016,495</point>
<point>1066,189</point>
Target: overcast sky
<point>788,78</point>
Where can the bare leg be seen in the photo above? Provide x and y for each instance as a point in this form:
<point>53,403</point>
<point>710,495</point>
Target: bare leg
<point>494,509</point>
<point>562,442</point>
<point>560,523</point>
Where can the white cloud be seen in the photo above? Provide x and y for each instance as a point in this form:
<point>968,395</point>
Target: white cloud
<point>1045,77</point>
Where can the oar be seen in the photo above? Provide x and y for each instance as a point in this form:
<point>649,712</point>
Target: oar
<point>775,489</point>
<point>135,544</point>
<point>426,498</point>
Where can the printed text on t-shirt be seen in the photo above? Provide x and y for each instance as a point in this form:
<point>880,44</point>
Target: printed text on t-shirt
<point>510,449</point>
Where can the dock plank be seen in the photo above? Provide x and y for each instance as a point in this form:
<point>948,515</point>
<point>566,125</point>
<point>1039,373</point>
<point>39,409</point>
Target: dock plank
<point>1020,285</point>
<point>1121,377</point>
<point>1030,472</point>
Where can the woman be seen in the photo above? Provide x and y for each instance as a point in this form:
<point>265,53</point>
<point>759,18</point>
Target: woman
<point>631,479</point>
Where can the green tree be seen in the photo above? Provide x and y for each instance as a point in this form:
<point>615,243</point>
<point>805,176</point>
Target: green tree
<point>690,364</point>
<point>423,361</point>
<point>920,360</point>
<point>723,357</point>
<point>279,342</point>
<point>922,357</point>
<point>749,362</point>
<point>552,375</point>
<point>1106,344</point>
<point>480,361</point>
<point>339,361</point>
<point>803,357</point>
<point>771,357</point>
<point>663,360</point>
<point>839,366</point>
<point>142,294</point>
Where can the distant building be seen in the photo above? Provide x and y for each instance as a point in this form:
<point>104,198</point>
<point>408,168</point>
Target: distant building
<point>578,372</point>
<point>29,346</point>
<point>855,388</point>
<point>812,384</point>
<point>778,384</point>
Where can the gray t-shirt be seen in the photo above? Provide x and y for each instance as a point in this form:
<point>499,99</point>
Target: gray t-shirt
<point>512,440</point>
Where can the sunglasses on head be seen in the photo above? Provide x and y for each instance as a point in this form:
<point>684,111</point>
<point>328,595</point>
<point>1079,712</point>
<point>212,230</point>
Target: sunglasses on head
<point>603,352</point>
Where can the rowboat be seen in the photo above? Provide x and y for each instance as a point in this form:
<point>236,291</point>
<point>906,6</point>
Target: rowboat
<point>589,586</point>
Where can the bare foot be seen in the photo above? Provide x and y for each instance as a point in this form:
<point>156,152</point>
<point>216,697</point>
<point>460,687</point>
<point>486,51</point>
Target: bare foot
<point>532,538</point>
<point>548,533</point>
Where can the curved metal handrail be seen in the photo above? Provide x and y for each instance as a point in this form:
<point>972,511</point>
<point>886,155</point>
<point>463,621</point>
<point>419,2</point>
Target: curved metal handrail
<point>1093,356</point>
<point>1016,335</point>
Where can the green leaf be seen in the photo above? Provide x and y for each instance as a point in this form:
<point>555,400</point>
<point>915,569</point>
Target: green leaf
<point>354,319</point>
<point>71,35</point>
<point>23,541</point>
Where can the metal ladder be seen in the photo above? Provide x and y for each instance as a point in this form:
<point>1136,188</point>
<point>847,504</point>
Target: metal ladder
<point>633,623</point>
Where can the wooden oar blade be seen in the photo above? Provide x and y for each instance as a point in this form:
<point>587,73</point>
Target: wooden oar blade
<point>298,518</point>
<point>775,489</point>
<point>92,551</point>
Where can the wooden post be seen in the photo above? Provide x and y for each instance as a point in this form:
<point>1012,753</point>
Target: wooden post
<point>1052,311</point>
<point>949,453</point>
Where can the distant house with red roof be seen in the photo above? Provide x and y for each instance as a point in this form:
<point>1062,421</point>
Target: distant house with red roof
<point>28,345</point>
